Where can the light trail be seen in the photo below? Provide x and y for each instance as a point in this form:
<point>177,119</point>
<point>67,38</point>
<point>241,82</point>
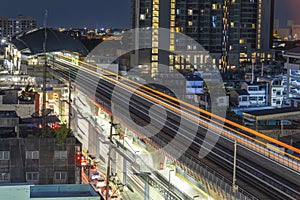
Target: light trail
<point>169,100</point>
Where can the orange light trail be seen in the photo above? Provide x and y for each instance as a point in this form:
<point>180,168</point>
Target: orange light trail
<point>168,99</point>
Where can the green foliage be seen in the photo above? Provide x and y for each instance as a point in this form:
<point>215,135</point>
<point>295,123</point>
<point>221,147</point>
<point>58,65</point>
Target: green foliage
<point>46,133</point>
<point>62,133</point>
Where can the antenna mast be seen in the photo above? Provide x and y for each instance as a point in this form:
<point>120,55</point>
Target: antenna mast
<point>44,72</point>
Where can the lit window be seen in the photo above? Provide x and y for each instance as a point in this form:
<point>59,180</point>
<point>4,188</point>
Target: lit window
<point>142,17</point>
<point>253,26</point>
<point>231,24</point>
<point>190,23</point>
<point>154,64</point>
<point>213,21</point>
<point>154,50</point>
<point>214,6</point>
<point>241,41</point>
<point>190,12</point>
<point>154,58</point>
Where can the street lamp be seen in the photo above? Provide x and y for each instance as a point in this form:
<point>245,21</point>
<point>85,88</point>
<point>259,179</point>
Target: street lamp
<point>171,170</point>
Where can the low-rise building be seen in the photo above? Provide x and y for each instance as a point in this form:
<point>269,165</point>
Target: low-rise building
<point>42,192</point>
<point>258,93</point>
<point>278,92</point>
<point>9,123</point>
<point>239,98</point>
<point>292,65</point>
<point>39,160</point>
<point>272,119</point>
<point>24,107</point>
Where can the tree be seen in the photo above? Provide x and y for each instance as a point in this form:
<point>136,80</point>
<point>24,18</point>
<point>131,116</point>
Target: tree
<point>62,133</point>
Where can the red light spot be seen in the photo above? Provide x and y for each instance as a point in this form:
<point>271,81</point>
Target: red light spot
<point>78,157</point>
<point>55,126</point>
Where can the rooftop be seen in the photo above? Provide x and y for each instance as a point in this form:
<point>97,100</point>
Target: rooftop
<point>274,111</point>
<point>62,190</point>
<point>294,51</point>
<point>32,41</point>
<point>27,191</point>
<point>241,92</point>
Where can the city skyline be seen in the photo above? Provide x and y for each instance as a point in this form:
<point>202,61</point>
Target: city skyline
<point>98,14</point>
<point>200,101</point>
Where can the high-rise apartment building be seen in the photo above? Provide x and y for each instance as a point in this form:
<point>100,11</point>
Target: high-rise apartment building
<point>232,31</point>
<point>11,26</point>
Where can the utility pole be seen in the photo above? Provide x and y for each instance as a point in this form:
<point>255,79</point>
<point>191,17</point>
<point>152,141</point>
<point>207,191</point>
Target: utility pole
<point>234,186</point>
<point>70,101</point>
<point>44,73</point>
<point>108,161</point>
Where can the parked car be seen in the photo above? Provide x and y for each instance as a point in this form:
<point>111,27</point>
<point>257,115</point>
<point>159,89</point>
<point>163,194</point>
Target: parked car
<point>100,183</point>
<point>96,176</point>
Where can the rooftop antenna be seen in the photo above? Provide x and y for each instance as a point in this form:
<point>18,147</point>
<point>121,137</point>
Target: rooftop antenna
<point>252,72</point>
<point>44,72</point>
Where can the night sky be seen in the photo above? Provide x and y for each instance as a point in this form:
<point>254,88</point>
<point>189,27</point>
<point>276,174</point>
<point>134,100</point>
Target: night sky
<point>75,13</point>
<point>286,10</point>
<point>100,13</point>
